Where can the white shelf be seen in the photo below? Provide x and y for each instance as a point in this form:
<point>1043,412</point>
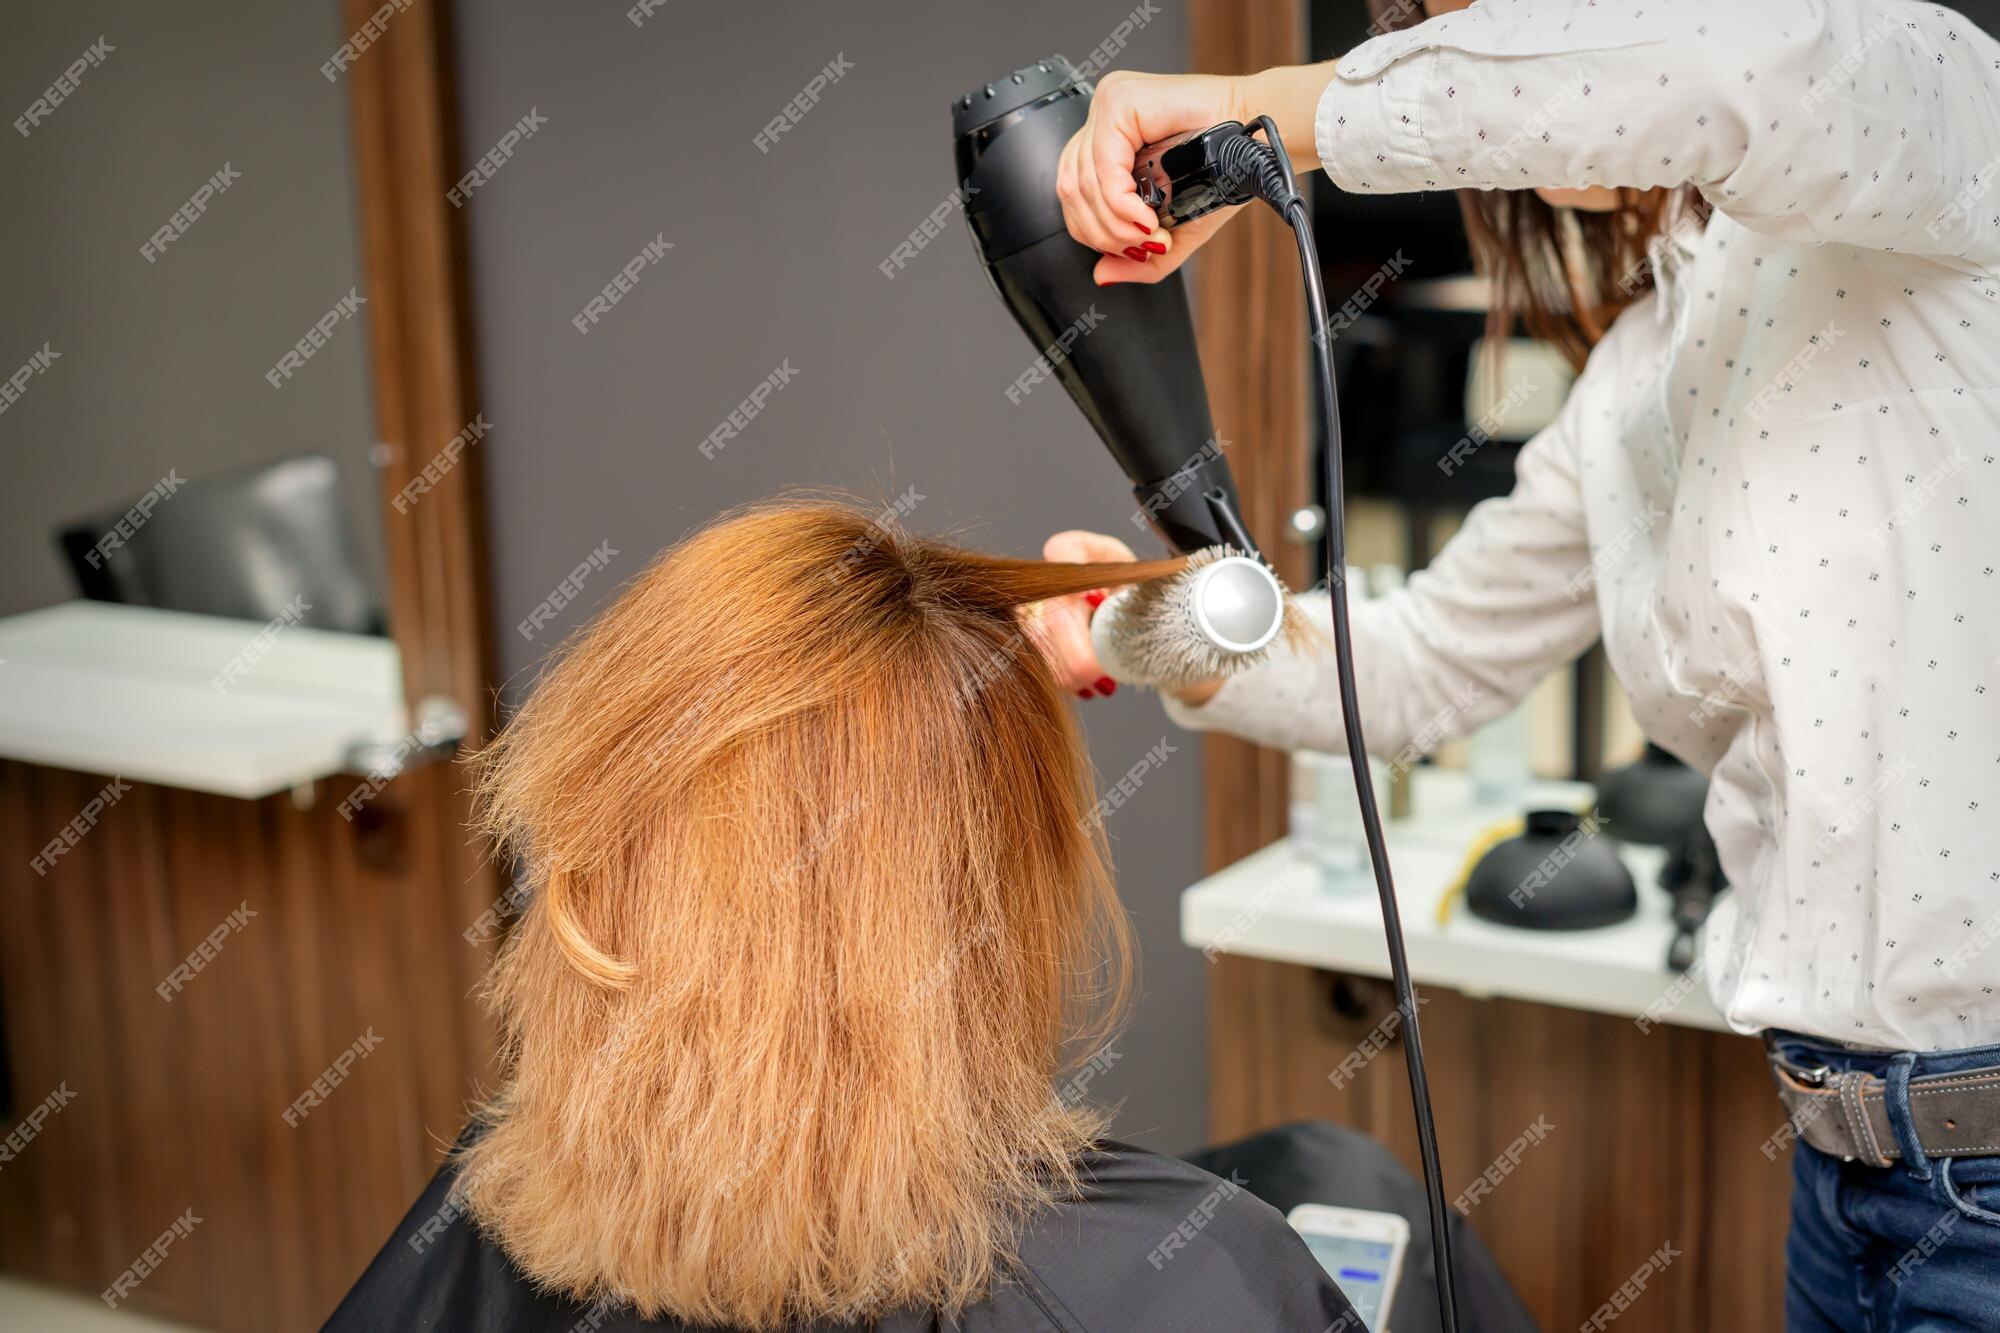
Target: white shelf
<point>1270,905</point>
<point>128,691</point>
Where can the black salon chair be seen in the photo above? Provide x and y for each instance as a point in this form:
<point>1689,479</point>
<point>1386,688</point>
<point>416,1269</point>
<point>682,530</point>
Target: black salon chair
<point>242,544</point>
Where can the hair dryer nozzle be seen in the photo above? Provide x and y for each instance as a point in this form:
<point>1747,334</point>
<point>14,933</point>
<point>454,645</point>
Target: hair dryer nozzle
<point>1125,353</point>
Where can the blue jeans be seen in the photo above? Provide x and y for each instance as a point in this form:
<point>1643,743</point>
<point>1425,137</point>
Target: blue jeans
<point>1907,1248</point>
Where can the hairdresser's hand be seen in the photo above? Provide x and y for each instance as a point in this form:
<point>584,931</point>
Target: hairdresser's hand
<point>1128,111</point>
<point>1062,625</point>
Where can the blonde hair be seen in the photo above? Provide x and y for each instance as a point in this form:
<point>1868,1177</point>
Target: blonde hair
<point>819,907</point>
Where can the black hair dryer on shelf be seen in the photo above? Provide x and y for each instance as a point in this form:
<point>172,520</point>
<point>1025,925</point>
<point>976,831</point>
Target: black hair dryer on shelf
<point>1140,386</point>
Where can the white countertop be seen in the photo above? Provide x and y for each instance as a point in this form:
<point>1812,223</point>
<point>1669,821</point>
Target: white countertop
<point>130,691</point>
<point>1270,905</point>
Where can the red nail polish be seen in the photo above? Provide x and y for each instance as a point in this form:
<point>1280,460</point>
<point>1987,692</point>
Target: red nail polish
<point>1095,599</point>
<point>1134,252</point>
<point>1145,231</point>
<point>1083,694</point>
<point>1107,686</point>
<point>1156,247</point>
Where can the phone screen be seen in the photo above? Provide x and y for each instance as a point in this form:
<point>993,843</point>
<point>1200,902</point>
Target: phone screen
<point>1359,1267</point>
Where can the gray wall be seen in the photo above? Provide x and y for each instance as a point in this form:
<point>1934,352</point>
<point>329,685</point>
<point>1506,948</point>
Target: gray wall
<point>899,383</point>
<point>161,365</point>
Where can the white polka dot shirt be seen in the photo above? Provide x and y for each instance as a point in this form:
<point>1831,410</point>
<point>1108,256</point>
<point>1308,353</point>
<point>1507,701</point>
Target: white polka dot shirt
<point>1774,490</point>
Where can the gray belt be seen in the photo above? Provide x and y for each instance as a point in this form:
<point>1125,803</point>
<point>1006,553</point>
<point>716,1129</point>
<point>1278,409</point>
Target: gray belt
<point>1842,1113</point>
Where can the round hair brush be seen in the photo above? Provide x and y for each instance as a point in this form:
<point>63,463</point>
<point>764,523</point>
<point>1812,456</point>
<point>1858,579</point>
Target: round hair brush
<point>1215,618</point>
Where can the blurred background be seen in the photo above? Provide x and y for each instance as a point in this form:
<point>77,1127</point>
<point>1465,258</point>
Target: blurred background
<point>351,354</point>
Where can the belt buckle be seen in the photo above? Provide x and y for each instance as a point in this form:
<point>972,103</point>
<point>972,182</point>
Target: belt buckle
<point>1812,1078</point>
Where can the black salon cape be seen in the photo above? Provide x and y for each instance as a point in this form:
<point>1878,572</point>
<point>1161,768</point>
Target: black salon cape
<point>1085,1269</point>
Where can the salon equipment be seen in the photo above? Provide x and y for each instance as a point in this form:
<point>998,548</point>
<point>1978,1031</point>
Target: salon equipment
<point>1657,801</point>
<point>1127,356</point>
<point>1217,617</point>
<point>1553,875</point>
<point>257,543</point>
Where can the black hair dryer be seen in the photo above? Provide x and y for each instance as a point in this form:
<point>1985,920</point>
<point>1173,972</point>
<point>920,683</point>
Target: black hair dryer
<point>1139,380</point>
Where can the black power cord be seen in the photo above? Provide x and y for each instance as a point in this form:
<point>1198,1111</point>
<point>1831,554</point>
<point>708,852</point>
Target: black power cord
<point>1265,170</point>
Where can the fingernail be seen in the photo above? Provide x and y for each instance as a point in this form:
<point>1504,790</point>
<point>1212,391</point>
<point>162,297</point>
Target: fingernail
<point>1144,230</point>
<point>1134,252</point>
<point>1156,247</point>
<point>1107,686</point>
<point>1083,694</point>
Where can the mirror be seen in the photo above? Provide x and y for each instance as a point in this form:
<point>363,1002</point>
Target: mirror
<point>192,529</point>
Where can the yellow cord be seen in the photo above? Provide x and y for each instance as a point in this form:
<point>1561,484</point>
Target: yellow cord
<point>1484,843</point>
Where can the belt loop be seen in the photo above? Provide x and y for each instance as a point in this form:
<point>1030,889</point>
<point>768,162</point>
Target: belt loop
<point>1896,1106</point>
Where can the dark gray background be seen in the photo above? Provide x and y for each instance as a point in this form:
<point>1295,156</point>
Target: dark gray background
<point>900,382</point>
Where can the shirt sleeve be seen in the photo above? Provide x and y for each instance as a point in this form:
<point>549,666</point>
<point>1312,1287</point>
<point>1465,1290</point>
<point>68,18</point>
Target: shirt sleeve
<point>1510,598</point>
<point>1873,123</point>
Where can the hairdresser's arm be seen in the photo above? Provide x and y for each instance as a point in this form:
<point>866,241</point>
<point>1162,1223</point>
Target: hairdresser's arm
<point>1866,122</point>
<point>1509,599</point>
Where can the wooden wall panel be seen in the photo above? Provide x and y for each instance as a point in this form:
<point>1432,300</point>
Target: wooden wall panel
<point>180,1104</point>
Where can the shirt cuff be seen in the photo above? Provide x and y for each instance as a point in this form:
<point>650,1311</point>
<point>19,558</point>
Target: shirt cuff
<point>1370,129</point>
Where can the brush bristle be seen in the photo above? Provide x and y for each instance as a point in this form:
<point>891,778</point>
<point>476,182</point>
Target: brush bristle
<point>1150,635</point>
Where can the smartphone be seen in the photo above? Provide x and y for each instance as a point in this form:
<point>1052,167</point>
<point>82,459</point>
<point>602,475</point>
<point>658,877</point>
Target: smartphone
<point>1361,1250</point>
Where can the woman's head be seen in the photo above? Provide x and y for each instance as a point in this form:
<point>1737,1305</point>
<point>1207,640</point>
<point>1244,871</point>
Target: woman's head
<point>819,904</point>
